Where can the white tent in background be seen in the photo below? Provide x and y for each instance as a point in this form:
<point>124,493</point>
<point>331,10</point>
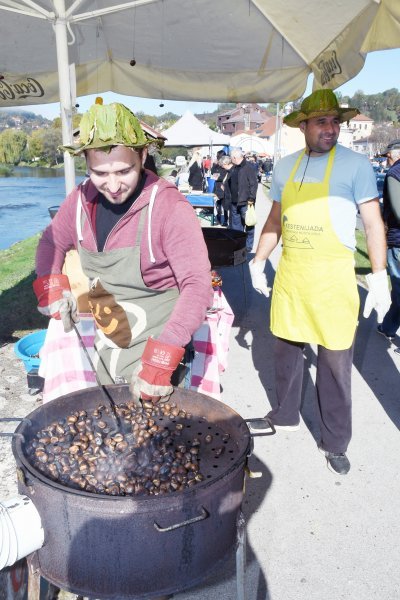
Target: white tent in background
<point>253,143</point>
<point>189,131</point>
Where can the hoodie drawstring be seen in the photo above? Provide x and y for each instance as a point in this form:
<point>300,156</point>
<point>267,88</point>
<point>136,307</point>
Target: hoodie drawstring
<point>151,204</point>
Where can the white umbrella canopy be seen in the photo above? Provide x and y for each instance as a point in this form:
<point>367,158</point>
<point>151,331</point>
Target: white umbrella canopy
<point>241,50</point>
<point>189,131</point>
<point>246,50</point>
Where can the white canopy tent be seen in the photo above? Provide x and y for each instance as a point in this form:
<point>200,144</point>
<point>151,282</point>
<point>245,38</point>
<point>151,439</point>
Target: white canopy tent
<point>190,131</point>
<point>252,143</point>
<point>246,50</point>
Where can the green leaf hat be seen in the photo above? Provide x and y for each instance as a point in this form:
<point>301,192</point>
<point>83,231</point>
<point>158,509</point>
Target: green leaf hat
<point>106,125</point>
<point>320,103</point>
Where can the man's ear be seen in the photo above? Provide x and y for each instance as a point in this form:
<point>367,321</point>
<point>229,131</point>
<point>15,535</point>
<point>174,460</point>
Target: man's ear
<point>144,156</point>
<point>302,126</point>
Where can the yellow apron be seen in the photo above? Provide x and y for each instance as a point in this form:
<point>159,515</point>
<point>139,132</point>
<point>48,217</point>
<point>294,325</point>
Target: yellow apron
<point>315,297</point>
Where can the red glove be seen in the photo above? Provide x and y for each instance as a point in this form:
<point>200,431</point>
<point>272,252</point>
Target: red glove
<point>151,380</point>
<point>56,300</point>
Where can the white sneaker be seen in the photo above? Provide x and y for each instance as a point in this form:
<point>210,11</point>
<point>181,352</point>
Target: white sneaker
<point>287,427</point>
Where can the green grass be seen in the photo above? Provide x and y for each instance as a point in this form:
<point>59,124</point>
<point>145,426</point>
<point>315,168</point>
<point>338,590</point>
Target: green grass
<point>18,305</point>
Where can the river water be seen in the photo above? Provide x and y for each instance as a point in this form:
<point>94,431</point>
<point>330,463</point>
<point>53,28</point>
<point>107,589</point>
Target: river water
<point>25,199</point>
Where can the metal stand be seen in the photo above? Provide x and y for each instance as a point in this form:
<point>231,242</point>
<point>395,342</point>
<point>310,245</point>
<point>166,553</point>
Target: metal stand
<point>35,382</point>
<point>33,580</point>
<point>241,557</point>
<point>244,289</point>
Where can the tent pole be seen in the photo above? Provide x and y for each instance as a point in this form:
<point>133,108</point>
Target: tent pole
<point>64,83</point>
<point>277,141</point>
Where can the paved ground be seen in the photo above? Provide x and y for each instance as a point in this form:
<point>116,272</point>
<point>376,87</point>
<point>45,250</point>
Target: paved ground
<point>312,535</point>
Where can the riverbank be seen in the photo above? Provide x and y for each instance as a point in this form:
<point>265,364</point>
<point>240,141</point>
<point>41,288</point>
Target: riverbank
<point>6,169</point>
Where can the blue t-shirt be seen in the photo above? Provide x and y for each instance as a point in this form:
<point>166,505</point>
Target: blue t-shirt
<point>352,182</point>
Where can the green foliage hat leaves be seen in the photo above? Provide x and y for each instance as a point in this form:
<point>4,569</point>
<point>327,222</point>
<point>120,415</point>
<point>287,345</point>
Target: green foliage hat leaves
<point>320,103</point>
<point>107,125</point>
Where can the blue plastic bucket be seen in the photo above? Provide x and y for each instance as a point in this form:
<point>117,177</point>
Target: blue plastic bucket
<point>210,184</point>
<point>28,347</point>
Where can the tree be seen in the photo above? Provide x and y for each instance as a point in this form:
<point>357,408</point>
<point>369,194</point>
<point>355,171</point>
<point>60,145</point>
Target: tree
<point>148,119</point>
<point>35,145</point>
<point>381,135</point>
<point>12,146</point>
<point>76,119</point>
<point>226,106</point>
<point>172,152</point>
<point>52,139</point>
<point>43,145</point>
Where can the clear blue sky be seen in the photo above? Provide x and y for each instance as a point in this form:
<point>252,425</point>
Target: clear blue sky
<point>380,73</point>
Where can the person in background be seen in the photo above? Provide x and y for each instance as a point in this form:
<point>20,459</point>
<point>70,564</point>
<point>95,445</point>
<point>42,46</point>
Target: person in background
<point>316,193</point>
<point>391,217</point>
<point>216,159</point>
<point>220,172</point>
<point>252,159</point>
<point>240,191</point>
<point>206,164</point>
<point>267,166</point>
<point>196,173</point>
<point>182,180</point>
<point>142,249</point>
<point>172,177</point>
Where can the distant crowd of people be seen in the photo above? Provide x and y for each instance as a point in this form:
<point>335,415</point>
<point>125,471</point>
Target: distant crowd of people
<point>233,178</point>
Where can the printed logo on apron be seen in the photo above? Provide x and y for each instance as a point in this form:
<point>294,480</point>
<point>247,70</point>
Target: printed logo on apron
<point>111,318</point>
<point>299,236</point>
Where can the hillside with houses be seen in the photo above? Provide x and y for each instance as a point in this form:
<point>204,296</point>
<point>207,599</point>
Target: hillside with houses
<point>259,129</point>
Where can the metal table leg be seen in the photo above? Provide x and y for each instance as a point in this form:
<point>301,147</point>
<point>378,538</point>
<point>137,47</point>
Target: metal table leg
<point>33,581</point>
<point>241,557</point>
<point>244,288</point>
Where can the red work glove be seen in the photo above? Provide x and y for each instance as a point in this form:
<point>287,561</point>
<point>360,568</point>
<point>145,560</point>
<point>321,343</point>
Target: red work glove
<point>151,380</point>
<point>56,300</point>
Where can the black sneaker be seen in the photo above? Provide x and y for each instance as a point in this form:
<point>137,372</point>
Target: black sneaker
<point>386,335</point>
<point>337,463</point>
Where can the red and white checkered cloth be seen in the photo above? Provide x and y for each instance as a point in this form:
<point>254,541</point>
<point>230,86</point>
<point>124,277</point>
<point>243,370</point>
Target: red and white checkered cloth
<point>65,368</point>
<point>63,364</point>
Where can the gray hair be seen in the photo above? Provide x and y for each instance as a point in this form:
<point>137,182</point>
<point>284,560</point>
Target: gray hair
<point>236,152</point>
<point>395,153</point>
<point>224,160</point>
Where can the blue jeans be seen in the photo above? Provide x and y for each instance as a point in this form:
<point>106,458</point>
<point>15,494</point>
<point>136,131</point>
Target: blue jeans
<point>237,216</point>
<point>391,322</point>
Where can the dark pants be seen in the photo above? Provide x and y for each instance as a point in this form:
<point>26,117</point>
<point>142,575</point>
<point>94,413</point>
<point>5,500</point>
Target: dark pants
<point>333,386</point>
<point>222,214</point>
<point>237,216</point>
<point>391,322</point>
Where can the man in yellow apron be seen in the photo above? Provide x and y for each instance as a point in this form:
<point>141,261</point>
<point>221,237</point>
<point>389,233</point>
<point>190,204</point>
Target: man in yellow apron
<point>316,194</point>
